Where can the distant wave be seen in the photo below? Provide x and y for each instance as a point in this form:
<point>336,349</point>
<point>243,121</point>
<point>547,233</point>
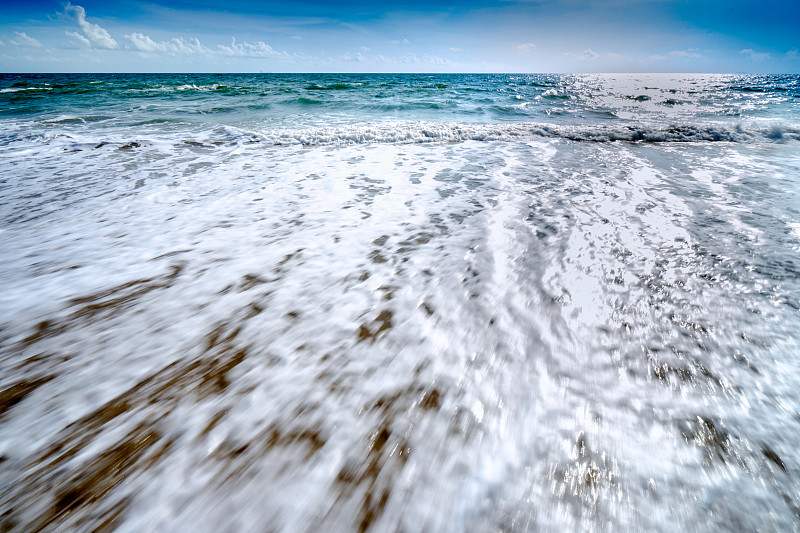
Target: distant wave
<point>305,101</point>
<point>332,87</point>
<point>20,89</point>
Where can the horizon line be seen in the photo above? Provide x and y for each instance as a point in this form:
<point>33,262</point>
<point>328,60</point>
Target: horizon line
<point>510,73</point>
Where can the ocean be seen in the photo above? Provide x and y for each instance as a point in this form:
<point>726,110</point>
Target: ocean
<point>412,303</point>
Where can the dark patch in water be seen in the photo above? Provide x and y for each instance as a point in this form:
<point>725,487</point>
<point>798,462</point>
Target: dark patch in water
<point>387,452</point>
<point>79,487</point>
<point>772,456</point>
<point>214,421</point>
<point>249,281</point>
<point>235,459</point>
<point>377,257</point>
<point>708,436</point>
<point>383,322</point>
<point>105,303</point>
<point>97,478</point>
<point>79,492</point>
<point>427,308</point>
<point>11,396</point>
<point>380,241</point>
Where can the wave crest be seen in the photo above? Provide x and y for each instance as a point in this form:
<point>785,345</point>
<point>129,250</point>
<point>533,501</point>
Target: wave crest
<point>426,132</point>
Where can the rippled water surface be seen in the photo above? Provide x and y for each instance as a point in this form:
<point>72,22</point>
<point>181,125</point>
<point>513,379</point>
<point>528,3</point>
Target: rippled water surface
<point>399,303</point>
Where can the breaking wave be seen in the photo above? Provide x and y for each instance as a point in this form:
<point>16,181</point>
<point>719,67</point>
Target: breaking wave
<point>426,132</point>
<point>423,133</point>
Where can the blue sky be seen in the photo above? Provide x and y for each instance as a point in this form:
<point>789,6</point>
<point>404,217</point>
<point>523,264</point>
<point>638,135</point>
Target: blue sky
<point>409,36</point>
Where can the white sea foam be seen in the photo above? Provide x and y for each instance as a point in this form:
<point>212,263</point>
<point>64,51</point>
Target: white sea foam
<point>426,132</point>
<point>537,296</point>
<point>193,87</point>
<point>19,89</point>
<point>398,325</point>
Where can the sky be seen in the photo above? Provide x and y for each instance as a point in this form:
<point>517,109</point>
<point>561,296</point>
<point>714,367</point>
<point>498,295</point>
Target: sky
<point>407,36</point>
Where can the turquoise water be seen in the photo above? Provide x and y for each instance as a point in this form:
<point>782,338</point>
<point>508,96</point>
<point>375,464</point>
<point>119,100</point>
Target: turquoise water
<point>399,302</point>
<point>285,107</point>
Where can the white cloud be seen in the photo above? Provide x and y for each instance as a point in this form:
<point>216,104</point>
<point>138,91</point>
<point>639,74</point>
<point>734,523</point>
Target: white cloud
<point>97,35</point>
<point>586,54</point>
<point>691,52</point>
<point>245,49</point>
<point>143,43</point>
<point>793,54</point>
<point>404,41</point>
<point>658,57</point>
<point>358,58</point>
<point>436,60</point>
<point>454,49</point>
<point>411,59</point>
<point>187,46</point>
<point>297,37</point>
<point>424,60</point>
<point>47,59</point>
<point>755,56</point>
<point>178,45</point>
<point>79,39</point>
<point>3,44</point>
<point>23,39</point>
<point>525,46</point>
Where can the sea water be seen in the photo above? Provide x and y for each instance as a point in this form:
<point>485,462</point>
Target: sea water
<point>463,303</point>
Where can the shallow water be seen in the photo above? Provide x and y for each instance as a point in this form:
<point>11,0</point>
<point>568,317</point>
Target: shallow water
<point>341,316</point>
